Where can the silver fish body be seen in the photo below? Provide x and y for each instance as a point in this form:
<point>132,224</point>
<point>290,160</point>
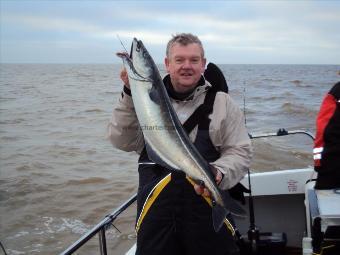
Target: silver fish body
<point>166,141</point>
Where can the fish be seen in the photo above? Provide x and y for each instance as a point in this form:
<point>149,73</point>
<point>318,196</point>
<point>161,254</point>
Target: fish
<point>166,141</point>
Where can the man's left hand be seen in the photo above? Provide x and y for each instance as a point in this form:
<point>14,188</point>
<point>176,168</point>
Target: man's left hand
<point>201,190</point>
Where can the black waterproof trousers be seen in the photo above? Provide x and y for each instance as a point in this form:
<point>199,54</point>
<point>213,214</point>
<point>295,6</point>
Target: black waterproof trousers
<point>180,222</point>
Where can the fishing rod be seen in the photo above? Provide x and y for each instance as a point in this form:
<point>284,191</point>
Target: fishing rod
<point>122,43</point>
<point>253,231</point>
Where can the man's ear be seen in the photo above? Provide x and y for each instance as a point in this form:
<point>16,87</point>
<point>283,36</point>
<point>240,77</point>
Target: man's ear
<point>166,62</point>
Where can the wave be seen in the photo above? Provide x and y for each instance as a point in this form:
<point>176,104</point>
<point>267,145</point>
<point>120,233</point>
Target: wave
<point>96,110</point>
<point>300,84</point>
<point>305,86</point>
<point>23,168</point>
<point>92,180</point>
<point>112,92</point>
<point>271,80</point>
<point>13,121</point>
<point>294,109</point>
<point>34,166</point>
<point>271,98</point>
<point>267,151</point>
<point>83,75</point>
<point>297,82</point>
<point>5,99</point>
<point>10,138</point>
<point>55,225</point>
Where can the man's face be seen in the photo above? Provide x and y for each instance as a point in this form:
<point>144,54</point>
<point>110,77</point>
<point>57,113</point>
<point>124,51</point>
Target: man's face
<point>185,66</point>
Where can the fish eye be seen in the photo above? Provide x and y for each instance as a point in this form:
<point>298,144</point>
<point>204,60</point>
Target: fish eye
<point>139,45</point>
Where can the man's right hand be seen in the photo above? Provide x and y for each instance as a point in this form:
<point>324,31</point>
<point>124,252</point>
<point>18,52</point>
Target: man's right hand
<point>123,73</point>
<point>125,78</point>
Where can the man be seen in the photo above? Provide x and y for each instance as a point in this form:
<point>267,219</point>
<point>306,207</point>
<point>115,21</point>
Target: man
<point>173,214</point>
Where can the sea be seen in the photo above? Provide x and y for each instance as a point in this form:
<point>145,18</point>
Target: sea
<point>59,174</point>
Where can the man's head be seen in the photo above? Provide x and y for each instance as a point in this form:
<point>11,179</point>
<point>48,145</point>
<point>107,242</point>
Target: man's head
<point>185,61</point>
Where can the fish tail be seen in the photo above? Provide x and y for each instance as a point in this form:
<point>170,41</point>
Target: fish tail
<point>234,207</point>
<point>219,214</point>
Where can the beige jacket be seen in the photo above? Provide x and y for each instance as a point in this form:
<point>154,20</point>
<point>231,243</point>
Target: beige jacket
<point>227,131</point>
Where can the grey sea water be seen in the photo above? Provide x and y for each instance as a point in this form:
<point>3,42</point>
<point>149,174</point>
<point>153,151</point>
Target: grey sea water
<point>59,175</point>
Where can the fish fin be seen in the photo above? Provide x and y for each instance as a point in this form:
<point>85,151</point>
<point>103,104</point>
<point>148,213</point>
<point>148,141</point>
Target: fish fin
<point>233,206</point>
<point>156,159</point>
<point>154,95</point>
<point>219,214</point>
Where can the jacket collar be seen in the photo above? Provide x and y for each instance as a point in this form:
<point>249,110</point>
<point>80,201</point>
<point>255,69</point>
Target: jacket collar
<point>201,87</point>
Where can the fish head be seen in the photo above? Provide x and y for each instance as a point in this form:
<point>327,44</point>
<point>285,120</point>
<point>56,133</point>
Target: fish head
<point>142,61</point>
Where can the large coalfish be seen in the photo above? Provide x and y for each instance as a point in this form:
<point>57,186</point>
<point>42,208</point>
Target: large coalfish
<point>166,141</point>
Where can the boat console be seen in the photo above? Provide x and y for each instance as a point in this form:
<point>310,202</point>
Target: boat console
<point>323,221</point>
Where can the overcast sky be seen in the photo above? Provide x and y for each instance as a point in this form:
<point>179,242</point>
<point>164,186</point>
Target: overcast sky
<point>233,32</point>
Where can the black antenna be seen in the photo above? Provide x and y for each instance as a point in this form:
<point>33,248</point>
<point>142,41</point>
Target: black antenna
<point>253,232</point>
<point>244,103</point>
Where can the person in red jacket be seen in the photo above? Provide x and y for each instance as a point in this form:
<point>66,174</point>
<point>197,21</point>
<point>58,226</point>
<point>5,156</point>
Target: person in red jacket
<point>327,142</point>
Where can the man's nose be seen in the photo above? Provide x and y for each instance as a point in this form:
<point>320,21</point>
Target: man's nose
<point>186,64</point>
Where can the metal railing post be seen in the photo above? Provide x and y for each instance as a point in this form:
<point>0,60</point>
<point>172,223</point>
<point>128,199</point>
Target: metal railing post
<point>102,241</point>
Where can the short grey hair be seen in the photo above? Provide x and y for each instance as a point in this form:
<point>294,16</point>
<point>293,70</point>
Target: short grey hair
<point>183,39</point>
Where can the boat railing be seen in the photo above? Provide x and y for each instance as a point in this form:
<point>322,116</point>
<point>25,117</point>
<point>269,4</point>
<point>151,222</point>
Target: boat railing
<point>100,229</point>
<point>282,132</point>
<point>103,225</point>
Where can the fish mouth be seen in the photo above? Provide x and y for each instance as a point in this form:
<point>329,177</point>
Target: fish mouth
<point>136,45</point>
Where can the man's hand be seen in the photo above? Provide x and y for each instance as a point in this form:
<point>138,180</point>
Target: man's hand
<point>123,73</point>
<point>124,77</point>
<point>201,190</point>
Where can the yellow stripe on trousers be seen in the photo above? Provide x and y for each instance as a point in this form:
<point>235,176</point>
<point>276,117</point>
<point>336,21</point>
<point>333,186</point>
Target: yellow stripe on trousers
<point>158,189</point>
<point>151,198</point>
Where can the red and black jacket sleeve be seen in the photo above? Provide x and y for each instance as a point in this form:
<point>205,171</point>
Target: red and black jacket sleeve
<point>327,142</point>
